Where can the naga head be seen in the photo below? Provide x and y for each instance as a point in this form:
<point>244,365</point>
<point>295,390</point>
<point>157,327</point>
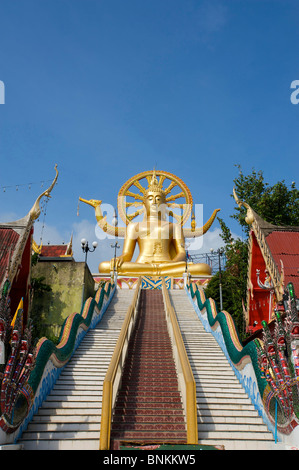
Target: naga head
<point>92,202</point>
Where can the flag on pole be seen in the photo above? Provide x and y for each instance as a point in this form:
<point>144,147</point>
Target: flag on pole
<point>20,306</point>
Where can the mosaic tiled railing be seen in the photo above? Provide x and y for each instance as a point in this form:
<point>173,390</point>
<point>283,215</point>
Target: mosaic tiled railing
<point>244,360</point>
<point>278,355</point>
<point>51,358</point>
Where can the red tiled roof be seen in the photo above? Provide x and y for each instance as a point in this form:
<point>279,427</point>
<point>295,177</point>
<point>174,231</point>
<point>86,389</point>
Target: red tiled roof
<point>8,241</point>
<point>284,245</point>
<point>53,250</point>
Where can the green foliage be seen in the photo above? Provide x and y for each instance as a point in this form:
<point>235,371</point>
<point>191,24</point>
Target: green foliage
<point>233,279</point>
<point>34,259</point>
<point>39,328</point>
<point>38,287</point>
<point>276,204</point>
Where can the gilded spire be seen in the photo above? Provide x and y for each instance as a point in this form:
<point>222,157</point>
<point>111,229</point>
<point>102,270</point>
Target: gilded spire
<point>154,185</point>
<point>35,210</point>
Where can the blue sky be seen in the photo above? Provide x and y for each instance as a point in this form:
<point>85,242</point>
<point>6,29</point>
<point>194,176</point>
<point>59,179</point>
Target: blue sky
<point>108,89</point>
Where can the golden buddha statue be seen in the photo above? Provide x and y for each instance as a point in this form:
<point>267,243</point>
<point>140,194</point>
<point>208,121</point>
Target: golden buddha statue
<point>161,243</point>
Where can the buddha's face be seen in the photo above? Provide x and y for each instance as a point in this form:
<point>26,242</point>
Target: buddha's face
<point>154,202</point>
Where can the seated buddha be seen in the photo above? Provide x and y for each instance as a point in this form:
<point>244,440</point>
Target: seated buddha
<point>161,243</point>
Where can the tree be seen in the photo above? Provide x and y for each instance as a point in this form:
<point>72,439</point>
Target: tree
<point>38,287</point>
<point>233,278</point>
<point>276,204</point>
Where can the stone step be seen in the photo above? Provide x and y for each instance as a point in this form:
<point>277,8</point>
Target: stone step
<point>46,435</point>
<point>235,444</point>
<point>148,426</point>
<point>63,444</point>
<point>145,412</point>
<point>202,399</point>
<point>208,372</point>
<point>84,373</point>
<point>97,368</point>
<point>71,426</point>
<point>119,418</point>
<point>75,386</point>
<point>73,398</point>
<point>87,392</point>
<point>212,383</point>
<point>235,435</point>
<point>145,375</point>
<point>213,407</point>
<point>69,381</point>
<point>171,437</point>
<point>93,354</point>
<point>67,413</point>
<point>146,368</point>
<point>227,394</point>
<point>147,381</point>
<point>141,388</point>
<point>228,416</point>
<point>156,407</point>
<point>232,427</point>
<point>149,400</point>
<point>227,391</point>
<point>71,404</point>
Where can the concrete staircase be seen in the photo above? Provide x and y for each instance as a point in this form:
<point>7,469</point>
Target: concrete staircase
<point>225,413</point>
<point>70,417</point>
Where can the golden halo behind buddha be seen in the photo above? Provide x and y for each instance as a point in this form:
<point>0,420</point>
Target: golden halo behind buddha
<point>177,194</point>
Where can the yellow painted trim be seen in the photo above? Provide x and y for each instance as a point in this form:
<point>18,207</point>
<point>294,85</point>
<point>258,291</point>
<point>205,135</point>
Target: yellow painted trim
<point>20,307</point>
<point>37,249</point>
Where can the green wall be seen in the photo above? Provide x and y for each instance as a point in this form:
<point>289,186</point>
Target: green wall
<point>65,277</point>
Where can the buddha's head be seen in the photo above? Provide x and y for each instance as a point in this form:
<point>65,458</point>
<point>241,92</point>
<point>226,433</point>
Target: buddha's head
<point>154,198</point>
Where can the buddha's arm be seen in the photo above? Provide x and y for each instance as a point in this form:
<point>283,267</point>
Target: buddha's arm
<point>179,243</point>
<point>102,220</point>
<point>198,232</point>
<point>129,246</point>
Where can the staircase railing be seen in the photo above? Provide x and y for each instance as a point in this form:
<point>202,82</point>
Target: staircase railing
<point>186,380</point>
<point>113,376</point>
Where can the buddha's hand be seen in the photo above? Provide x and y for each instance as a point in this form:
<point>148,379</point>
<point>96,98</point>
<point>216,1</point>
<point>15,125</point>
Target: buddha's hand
<point>116,263</point>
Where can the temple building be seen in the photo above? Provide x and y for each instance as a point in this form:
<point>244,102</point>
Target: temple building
<point>273,262</point>
<point>15,260</point>
<point>54,251</point>
<point>16,241</point>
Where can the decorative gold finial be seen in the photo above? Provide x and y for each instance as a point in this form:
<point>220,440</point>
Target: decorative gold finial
<point>35,210</point>
<point>249,219</point>
<point>193,221</point>
<point>154,185</point>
